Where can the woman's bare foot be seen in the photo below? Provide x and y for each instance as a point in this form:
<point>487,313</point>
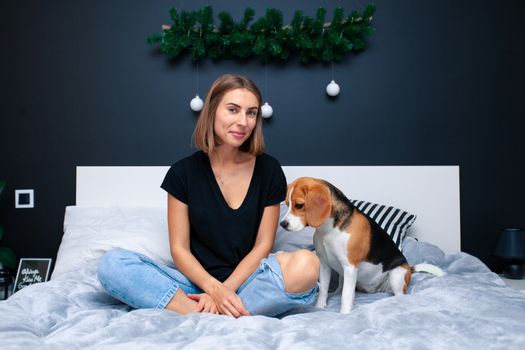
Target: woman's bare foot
<point>181,304</point>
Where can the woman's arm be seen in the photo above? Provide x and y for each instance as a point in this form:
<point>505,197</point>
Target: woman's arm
<point>226,300</point>
<point>261,249</point>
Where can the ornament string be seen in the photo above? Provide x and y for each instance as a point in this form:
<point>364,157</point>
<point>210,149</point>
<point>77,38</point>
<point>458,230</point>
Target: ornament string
<point>197,79</point>
<point>266,80</point>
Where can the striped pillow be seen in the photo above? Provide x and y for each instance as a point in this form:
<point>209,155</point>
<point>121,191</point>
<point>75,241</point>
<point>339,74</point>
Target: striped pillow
<point>393,220</point>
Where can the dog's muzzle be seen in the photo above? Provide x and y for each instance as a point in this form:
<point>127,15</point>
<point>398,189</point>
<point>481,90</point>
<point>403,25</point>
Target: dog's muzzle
<point>291,223</point>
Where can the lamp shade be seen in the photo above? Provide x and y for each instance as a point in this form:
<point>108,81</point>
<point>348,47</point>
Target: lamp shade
<point>511,244</point>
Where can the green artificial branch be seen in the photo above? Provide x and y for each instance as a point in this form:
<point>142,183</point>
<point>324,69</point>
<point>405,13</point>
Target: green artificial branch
<point>312,38</point>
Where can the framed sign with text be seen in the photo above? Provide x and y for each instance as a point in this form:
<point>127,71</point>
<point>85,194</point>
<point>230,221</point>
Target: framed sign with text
<point>31,271</point>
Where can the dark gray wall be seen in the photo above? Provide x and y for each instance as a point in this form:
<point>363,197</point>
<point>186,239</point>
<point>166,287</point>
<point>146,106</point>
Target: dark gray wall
<point>441,83</point>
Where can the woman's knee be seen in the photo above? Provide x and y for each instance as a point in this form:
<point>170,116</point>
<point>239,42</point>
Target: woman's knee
<point>308,263</point>
<point>112,264</point>
<point>300,270</point>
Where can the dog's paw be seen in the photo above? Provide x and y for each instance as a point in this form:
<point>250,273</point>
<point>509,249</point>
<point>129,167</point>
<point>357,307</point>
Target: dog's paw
<point>345,310</point>
<point>321,304</point>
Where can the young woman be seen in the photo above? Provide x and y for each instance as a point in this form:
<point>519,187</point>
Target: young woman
<point>223,210</point>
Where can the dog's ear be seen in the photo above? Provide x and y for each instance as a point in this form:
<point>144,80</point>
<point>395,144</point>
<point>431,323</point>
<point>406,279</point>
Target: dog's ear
<point>288,190</point>
<point>317,205</point>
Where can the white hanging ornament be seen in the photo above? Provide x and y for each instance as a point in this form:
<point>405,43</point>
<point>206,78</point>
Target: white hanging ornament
<point>332,89</point>
<point>266,110</point>
<point>196,104</point>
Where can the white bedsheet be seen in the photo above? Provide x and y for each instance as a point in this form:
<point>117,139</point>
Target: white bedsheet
<point>469,308</point>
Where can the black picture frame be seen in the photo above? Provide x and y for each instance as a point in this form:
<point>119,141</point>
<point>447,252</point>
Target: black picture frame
<point>31,271</point>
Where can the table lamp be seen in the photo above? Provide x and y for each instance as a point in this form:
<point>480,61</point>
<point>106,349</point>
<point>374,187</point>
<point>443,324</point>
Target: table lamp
<point>511,248</point>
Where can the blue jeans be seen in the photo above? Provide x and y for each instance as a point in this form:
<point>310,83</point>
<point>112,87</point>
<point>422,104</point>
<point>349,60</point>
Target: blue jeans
<point>140,282</point>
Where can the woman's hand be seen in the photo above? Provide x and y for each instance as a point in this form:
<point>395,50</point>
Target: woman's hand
<point>205,303</point>
<point>228,302</point>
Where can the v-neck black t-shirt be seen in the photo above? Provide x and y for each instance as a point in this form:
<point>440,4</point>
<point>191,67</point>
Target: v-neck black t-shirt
<point>220,237</point>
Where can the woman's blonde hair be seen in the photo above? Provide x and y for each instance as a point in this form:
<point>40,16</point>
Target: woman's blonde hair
<point>204,135</point>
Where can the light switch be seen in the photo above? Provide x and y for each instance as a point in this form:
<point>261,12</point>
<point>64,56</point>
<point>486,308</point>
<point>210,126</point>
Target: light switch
<point>24,198</point>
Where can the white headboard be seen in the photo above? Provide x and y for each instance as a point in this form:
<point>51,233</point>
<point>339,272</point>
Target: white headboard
<point>430,192</point>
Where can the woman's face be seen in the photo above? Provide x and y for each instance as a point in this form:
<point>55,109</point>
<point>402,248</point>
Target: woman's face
<point>235,117</point>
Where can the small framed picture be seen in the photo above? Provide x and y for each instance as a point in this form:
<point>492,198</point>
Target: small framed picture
<point>31,271</point>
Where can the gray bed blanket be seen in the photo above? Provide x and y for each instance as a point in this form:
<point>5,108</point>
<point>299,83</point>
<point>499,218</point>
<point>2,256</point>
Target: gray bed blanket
<point>469,308</point>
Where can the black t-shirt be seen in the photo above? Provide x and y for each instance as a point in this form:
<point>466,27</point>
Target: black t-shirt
<point>220,237</point>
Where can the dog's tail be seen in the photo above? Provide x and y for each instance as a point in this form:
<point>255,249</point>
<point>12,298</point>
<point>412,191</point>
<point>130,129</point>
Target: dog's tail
<point>428,268</point>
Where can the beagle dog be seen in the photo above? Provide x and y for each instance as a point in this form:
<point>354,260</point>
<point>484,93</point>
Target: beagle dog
<point>349,242</point>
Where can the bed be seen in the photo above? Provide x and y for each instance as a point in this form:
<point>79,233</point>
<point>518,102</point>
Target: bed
<point>468,308</point>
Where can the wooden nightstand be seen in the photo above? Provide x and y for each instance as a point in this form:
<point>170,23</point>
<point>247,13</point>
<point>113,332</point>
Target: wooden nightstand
<point>516,284</point>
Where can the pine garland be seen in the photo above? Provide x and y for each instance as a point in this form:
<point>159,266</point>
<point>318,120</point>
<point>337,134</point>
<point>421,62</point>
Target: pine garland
<point>313,38</point>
